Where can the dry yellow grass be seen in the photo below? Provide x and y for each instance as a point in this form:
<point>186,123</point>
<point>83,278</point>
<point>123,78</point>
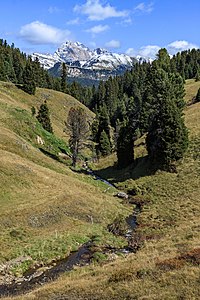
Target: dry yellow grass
<point>191,88</point>
<point>42,200</point>
<point>169,225</point>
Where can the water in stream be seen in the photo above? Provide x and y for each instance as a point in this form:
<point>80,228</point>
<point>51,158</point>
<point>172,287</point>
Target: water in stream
<point>83,256</point>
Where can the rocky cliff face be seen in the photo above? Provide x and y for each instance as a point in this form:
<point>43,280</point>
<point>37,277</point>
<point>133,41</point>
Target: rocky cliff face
<point>82,62</point>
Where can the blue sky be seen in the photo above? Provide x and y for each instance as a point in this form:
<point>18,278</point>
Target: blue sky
<point>124,26</point>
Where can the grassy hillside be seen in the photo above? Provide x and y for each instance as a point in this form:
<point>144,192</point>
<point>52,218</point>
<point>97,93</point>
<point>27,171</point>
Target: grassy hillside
<point>166,266</point>
<point>191,88</point>
<point>46,209</point>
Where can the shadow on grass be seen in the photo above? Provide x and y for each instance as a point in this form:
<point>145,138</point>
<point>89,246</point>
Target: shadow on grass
<point>140,168</point>
<point>51,155</point>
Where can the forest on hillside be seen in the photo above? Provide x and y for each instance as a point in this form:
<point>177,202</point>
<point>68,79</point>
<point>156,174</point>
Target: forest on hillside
<point>148,100</point>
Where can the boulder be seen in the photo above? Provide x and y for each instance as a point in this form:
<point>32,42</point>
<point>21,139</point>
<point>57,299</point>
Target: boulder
<point>122,195</point>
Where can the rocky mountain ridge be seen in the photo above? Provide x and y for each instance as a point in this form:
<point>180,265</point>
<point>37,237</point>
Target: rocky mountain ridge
<point>97,64</point>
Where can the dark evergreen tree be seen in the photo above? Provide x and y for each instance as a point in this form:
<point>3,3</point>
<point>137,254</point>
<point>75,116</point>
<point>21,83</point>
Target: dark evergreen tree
<point>64,78</point>
<point>167,138</point>
<point>125,150</point>
<point>29,85</point>
<point>78,126</point>
<point>43,117</point>
<point>105,147</point>
<point>197,76</point>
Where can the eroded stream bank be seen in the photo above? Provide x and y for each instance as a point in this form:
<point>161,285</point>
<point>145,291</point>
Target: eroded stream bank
<point>83,256</point>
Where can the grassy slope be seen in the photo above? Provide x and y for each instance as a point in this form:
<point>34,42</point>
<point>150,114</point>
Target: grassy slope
<point>167,265</point>
<point>46,208</point>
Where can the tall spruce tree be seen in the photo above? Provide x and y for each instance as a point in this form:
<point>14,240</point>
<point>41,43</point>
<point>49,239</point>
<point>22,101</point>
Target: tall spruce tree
<point>105,147</point>
<point>78,127</point>
<point>44,117</point>
<point>29,85</point>
<point>64,78</point>
<point>125,149</point>
<point>167,138</point>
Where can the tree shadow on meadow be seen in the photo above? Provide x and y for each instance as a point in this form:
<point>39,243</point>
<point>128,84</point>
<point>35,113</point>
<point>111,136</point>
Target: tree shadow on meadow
<point>142,167</point>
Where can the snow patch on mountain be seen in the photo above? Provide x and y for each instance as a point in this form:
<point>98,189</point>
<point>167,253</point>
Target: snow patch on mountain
<point>78,54</point>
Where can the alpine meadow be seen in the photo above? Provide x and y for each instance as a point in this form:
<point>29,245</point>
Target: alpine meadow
<point>99,162</point>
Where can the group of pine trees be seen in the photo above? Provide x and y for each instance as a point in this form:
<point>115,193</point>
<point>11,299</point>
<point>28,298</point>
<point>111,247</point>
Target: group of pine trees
<point>20,69</point>
<point>148,99</point>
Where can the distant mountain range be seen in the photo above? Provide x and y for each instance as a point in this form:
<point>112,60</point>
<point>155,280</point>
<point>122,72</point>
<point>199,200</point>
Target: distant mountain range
<point>86,64</point>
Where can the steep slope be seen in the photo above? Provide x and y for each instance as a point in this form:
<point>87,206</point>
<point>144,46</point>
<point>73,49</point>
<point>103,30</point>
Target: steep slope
<point>166,264</point>
<point>46,209</point>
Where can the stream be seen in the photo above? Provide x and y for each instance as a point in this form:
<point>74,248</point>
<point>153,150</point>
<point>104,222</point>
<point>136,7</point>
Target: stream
<point>83,256</point>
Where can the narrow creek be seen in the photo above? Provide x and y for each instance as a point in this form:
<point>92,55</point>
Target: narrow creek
<point>83,256</point>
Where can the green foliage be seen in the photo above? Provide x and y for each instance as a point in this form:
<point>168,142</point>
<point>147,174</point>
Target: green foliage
<point>33,111</point>
<point>104,147</point>
<point>29,85</point>
<point>163,60</point>
<point>78,126</point>
<point>125,151</point>
<point>44,118</point>
<point>167,139</point>
<point>197,77</point>
<point>16,67</point>
<point>64,78</point>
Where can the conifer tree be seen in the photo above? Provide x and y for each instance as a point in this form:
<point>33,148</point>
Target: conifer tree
<point>197,76</point>
<point>125,150</point>
<point>167,138</point>
<point>44,118</point>
<point>79,130</point>
<point>64,78</point>
<point>29,85</point>
<point>105,147</point>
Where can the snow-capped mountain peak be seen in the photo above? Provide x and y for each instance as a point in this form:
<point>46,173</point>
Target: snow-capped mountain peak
<point>70,52</point>
<point>80,59</point>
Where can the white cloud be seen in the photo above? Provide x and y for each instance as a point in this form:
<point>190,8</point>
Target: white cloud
<point>54,9</point>
<point>73,22</point>
<point>131,52</point>
<point>38,33</point>
<point>97,11</point>
<point>98,29</point>
<point>145,8</point>
<point>177,46</point>
<point>148,51</point>
<point>113,44</point>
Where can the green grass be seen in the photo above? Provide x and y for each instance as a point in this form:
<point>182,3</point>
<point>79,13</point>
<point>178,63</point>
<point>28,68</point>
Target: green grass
<point>46,208</point>
<point>166,266</point>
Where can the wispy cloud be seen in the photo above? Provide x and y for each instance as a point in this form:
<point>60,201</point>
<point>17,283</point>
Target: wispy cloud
<point>75,21</point>
<point>96,11</point>
<point>126,22</point>
<point>144,8</point>
<point>98,29</point>
<point>113,44</point>
<point>54,9</point>
<point>38,33</point>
